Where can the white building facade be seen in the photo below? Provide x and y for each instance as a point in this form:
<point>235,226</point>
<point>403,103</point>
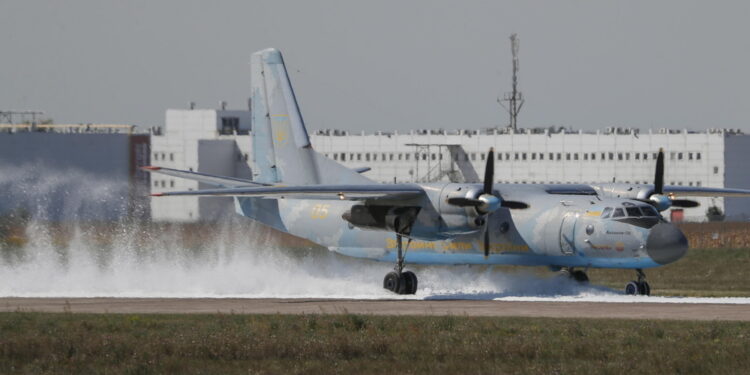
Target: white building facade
<point>194,139</point>
<point>201,140</point>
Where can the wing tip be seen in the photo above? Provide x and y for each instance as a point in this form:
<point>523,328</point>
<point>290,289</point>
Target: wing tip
<point>157,194</point>
<point>150,168</point>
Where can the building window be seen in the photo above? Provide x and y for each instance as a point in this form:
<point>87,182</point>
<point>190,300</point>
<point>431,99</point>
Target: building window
<point>171,183</point>
<point>473,156</point>
<point>697,156</point>
<point>390,156</point>
<point>697,183</point>
<point>507,156</point>
<point>567,156</point>
<point>585,156</point>
<point>523,155</point>
<point>424,156</point>
<point>399,156</point>
<point>171,156</point>
<point>499,156</point>
<point>533,156</point>
<point>482,155</point>
<point>343,156</point>
<point>384,159</point>
<point>367,156</point>
<point>716,170</point>
<point>156,183</point>
<point>406,156</point>
<point>637,156</point>
<point>515,156</point>
<point>690,157</point>
<point>645,156</point>
<point>575,156</point>
<point>611,156</point>
<point>541,156</point>
<point>627,156</point>
<point>230,125</point>
<point>335,156</point>
<point>156,156</point>
<point>672,155</point>
<point>619,156</point>
<point>359,156</point>
<point>679,156</point>
<point>559,156</point>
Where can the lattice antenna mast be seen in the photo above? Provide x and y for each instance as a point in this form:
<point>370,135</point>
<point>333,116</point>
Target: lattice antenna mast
<point>514,99</point>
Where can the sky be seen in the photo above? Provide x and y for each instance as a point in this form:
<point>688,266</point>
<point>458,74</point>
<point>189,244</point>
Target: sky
<point>385,65</point>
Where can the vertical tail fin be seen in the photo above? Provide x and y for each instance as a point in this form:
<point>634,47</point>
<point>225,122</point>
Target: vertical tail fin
<point>282,149</point>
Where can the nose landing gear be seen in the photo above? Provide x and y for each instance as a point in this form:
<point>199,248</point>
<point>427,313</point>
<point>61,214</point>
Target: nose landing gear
<point>640,287</point>
<point>398,281</point>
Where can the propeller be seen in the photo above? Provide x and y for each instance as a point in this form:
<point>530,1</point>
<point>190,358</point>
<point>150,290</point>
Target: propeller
<point>657,198</point>
<point>487,202</point>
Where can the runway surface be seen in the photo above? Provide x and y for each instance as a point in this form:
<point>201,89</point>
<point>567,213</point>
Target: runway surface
<point>628,310</point>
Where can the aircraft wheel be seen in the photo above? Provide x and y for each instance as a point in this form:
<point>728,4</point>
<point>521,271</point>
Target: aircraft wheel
<point>392,282</point>
<point>580,276</point>
<point>408,283</point>
<point>644,289</point>
<point>632,288</point>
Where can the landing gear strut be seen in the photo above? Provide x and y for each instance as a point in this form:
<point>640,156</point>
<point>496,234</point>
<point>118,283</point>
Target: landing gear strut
<point>399,281</point>
<point>639,287</point>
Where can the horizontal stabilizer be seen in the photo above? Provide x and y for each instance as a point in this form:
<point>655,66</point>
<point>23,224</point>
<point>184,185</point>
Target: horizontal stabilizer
<point>334,192</point>
<point>204,178</point>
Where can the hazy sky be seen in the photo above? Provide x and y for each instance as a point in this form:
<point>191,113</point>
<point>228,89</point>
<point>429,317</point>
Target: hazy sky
<point>385,64</point>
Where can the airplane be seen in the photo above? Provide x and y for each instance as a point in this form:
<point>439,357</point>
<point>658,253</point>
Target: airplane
<point>567,228</point>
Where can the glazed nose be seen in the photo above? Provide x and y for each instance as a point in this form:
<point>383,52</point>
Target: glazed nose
<point>666,243</point>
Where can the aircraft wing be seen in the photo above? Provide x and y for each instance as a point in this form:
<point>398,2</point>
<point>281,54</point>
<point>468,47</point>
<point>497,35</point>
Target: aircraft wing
<point>696,191</point>
<point>204,178</point>
<point>333,192</point>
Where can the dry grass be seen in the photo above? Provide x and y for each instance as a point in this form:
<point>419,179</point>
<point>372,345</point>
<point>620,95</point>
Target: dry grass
<point>71,343</point>
<point>709,273</point>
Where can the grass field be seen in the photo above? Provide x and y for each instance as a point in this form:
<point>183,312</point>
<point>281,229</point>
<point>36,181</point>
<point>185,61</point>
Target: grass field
<point>72,343</point>
<point>706,273</point>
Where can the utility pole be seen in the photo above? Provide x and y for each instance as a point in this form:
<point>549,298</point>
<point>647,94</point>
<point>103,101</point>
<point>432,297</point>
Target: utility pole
<point>514,98</point>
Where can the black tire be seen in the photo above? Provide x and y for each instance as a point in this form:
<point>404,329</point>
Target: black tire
<point>632,288</point>
<point>580,277</point>
<point>644,289</point>
<point>409,280</point>
<point>391,282</point>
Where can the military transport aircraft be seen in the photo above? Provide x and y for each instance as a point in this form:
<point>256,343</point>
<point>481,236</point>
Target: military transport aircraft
<point>567,228</point>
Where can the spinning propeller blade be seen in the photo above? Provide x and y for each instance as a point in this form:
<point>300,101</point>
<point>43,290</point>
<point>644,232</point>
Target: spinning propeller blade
<point>659,175</point>
<point>657,198</point>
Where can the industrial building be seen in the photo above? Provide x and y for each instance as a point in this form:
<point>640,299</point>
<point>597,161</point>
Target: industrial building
<point>202,140</point>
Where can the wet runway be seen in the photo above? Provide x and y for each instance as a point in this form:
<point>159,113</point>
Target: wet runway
<point>546,308</point>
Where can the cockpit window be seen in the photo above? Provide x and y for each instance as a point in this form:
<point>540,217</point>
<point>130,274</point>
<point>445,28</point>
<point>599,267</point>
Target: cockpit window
<point>649,211</point>
<point>618,212</point>
<point>606,212</point>
<point>633,211</point>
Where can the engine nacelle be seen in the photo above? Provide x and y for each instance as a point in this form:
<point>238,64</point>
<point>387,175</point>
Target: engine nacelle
<point>385,218</point>
<point>660,202</point>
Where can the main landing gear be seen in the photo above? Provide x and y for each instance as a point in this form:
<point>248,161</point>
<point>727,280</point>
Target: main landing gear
<point>577,275</point>
<point>639,287</point>
<point>399,281</point>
